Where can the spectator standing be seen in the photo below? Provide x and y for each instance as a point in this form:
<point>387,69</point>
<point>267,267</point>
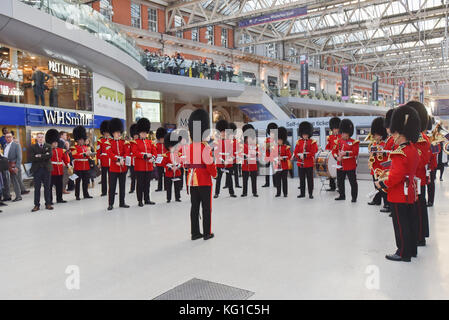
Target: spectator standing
<point>3,138</point>
<point>14,155</point>
<point>41,169</point>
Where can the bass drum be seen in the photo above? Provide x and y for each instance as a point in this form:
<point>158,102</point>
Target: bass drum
<point>325,164</point>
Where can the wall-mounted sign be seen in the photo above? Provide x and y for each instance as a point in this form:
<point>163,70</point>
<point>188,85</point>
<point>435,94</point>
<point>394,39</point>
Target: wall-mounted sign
<point>257,112</point>
<point>182,119</point>
<point>275,16</point>
<point>375,89</point>
<point>64,69</point>
<point>304,61</point>
<point>63,118</point>
<point>10,89</point>
<point>109,97</point>
<point>345,83</point>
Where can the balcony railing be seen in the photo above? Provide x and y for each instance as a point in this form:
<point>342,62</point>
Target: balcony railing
<point>84,17</point>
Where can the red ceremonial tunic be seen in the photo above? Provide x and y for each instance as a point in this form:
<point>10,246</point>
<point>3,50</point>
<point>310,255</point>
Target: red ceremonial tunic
<point>200,165</point>
<point>349,160</point>
<point>118,149</point>
<point>332,140</point>
<point>250,152</point>
<point>377,158</point>
<point>173,164</point>
<point>307,147</point>
<point>224,153</point>
<point>423,146</point>
<point>400,184</point>
<point>280,155</point>
<point>59,158</point>
<point>160,148</point>
<point>102,155</point>
<point>140,148</point>
<point>80,159</point>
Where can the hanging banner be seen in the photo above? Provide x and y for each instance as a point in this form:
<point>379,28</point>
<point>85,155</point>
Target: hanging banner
<point>272,17</point>
<point>375,88</point>
<point>401,92</point>
<point>421,94</point>
<point>304,61</point>
<point>345,83</point>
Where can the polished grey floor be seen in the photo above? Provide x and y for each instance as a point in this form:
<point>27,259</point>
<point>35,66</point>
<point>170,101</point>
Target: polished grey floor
<point>284,248</point>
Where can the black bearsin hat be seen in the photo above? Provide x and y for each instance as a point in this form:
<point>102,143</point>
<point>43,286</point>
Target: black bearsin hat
<point>282,134</point>
<point>51,136</point>
<point>377,127</point>
<point>422,112</point>
<point>387,120</point>
<point>430,123</point>
<point>271,126</point>
<point>222,125</point>
<point>79,133</point>
<point>232,126</point>
<point>248,131</point>
<point>133,130</point>
<point>405,120</point>
<point>143,125</point>
<point>346,126</point>
<point>334,123</point>
<point>305,127</point>
<point>201,116</point>
<point>104,126</point>
<point>160,133</point>
<point>115,125</point>
<point>168,142</point>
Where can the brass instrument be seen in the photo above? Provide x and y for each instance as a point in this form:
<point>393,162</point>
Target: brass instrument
<point>369,137</point>
<point>440,134</point>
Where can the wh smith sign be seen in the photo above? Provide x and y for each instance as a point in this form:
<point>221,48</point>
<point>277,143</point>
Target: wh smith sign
<point>45,117</point>
<point>272,17</point>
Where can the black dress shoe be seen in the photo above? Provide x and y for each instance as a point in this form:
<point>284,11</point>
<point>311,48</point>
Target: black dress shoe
<point>178,200</point>
<point>208,236</point>
<point>233,196</point>
<point>265,186</point>
<point>17,199</point>
<point>390,215</point>
<point>310,196</point>
<point>244,195</point>
<point>255,195</point>
<point>25,192</point>
<point>168,201</point>
<point>277,196</point>
<point>421,243</point>
<point>353,200</point>
<point>158,190</point>
<point>61,201</point>
<point>124,206</point>
<point>373,203</point>
<point>216,196</point>
<point>430,204</point>
<point>331,190</point>
<point>103,194</point>
<point>2,204</point>
<point>150,202</point>
<point>7,199</point>
<point>301,196</point>
<point>385,210</point>
<point>110,208</point>
<point>88,197</point>
<point>225,187</point>
<point>238,187</point>
<point>78,198</point>
<point>285,196</point>
<point>131,191</point>
<point>140,204</point>
<point>197,236</point>
<point>340,198</point>
<point>396,257</point>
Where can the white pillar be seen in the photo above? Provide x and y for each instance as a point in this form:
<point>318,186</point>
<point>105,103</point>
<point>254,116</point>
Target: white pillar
<point>210,112</point>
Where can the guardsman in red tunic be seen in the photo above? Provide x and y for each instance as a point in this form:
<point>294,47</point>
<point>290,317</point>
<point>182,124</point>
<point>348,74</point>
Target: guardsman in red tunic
<point>249,153</point>
<point>81,154</point>
<point>134,135</point>
<point>236,149</point>
<point>435,149</point>
<point>118,151</point>
<point>173,164</point>
<point>304,153</point>
<point>346,153</point>
<point>161,150</point>
<point>281,155</point>
<point>224,158</point>
<point>332,139</point>
<point>377,157</point>
<point>144,154</point>
<point>269,143</point>
<point>400,184</point>
<point>422,172</point>
<point>201,169</point>
<point>102,156</point>
<point>59,159</point>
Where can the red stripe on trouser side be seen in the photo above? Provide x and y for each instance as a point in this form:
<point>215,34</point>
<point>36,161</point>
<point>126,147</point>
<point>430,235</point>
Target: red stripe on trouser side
<point>210,230</point>
<point>400,230</point>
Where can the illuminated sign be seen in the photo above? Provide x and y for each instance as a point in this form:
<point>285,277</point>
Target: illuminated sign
<point>64,69</point>
<point>63,118</point>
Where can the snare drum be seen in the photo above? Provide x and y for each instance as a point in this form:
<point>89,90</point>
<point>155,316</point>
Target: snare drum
<point>325,164</point>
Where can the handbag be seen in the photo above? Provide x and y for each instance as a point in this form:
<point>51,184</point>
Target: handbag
<point>12,167</point>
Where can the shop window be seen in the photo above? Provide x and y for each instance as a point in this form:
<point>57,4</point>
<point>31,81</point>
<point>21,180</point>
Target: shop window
<point>152,19</point>
<point>224,37</point>
<point>135,15</point>
<point>28,78</point>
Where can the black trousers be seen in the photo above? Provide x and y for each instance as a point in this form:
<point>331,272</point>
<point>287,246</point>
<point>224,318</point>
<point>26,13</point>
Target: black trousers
<point>42,177</point>
<point>332,184</point>
<point>113,177</point>
<point>431,187</point>
<point>161,178</point>
<point>280,181</point>
<point>133,178</point>
<point>403,216</point>
<point>235,169</point>
<point>267,177</point>
<point>423,217</point>
<point>57,182</point>
<point>83,176</point>
<point>177,185</point>
<point>200,196</point>
<point>303,174</point>
<point>253,176</point>
<point>104,180</point>
<point>379,196</point>
<point>228,180</point>
<point>352,177</point>
<point>441,168</point>
<point>143,185</point>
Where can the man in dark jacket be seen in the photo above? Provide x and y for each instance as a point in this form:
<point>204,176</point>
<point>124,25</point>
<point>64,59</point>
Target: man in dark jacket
<point>39,79</point>
<point>41,170</point>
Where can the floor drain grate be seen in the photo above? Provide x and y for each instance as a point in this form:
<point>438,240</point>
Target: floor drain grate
<point>197,289</point>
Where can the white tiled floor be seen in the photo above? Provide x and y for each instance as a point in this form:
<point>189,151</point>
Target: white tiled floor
<point>279,248</point>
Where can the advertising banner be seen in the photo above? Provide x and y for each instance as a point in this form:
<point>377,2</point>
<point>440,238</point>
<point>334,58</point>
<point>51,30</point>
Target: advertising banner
<point>375,88</point>
<point>345,83</point>
<point>401,92</point>
<point>304,61</point>
<point>109,97</point>
<point>272,17</point>
<point>257,112</point>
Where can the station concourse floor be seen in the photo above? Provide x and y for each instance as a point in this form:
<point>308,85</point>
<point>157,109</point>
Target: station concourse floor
<point>278,248</point>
